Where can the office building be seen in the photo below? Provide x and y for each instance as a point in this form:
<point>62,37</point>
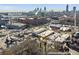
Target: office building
<point>44,8</point>
<point>67,8</point>
<point>74,9</point>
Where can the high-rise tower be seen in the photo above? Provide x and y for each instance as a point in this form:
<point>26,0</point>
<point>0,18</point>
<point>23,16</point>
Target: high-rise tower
<point>67,8</point>
<point>74,9</point>
<point>44,8</point>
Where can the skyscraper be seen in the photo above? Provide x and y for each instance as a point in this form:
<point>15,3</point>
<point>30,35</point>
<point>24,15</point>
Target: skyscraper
<point>67,8</point>
<point>74,9</point>
<point>44,8</point>
<point>40,9</point>
<point>37,9</point>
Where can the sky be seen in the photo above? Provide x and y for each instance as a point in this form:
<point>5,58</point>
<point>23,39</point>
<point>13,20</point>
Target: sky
<point>27,7</point>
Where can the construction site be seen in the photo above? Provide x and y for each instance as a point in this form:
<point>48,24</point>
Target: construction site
<point>36,40</point>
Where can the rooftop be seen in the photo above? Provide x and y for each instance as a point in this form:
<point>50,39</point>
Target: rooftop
<point>46,33</point>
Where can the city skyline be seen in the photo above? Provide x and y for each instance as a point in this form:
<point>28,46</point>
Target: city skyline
<point>28,7</point>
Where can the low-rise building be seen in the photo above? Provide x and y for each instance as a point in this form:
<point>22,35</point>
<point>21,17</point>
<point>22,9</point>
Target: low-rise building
<point>15,26</point>
<point>34,21</point>
<point>55,26</point>
<point>46,33</point>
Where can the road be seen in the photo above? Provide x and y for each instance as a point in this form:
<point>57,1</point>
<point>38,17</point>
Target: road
<point>73,52</point>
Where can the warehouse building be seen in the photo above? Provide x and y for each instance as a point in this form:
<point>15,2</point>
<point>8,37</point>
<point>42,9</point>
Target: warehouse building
<point>34,21</point>
<point>15,26</point>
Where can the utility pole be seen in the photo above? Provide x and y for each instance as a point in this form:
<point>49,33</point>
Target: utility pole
<point>74,10</point>
<point>75,20</point>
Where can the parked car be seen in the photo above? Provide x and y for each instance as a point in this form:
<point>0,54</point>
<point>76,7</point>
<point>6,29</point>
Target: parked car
<point>75,35</point>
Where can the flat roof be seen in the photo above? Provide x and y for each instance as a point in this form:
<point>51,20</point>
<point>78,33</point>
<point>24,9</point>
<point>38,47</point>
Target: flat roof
<point>18,24</point>
<point>62,38</point>
<point>54,36</point>
<point>55,25</point>
<point>39,30</point>
<point>46,33</point>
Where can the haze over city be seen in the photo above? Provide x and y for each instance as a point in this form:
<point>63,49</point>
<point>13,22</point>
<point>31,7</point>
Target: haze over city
<point>28,7</point>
